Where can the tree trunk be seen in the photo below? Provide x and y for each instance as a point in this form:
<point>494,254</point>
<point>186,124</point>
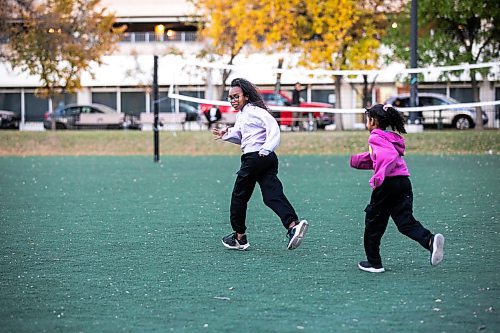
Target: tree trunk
<point>338,103</point>
<point>475,94</point>
<point>225,75</point>
<point>51,114</point>
<point>366,100</point>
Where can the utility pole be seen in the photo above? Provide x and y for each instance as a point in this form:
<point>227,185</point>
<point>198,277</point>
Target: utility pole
<point>155,110</point>
<point>414,120</point>
<point>277,88</point>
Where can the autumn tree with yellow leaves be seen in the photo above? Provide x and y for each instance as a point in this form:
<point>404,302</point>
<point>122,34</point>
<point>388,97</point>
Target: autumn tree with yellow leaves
<point>230,26</point>
<point>329,34</point>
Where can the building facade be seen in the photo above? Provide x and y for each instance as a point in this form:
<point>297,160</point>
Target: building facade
<point>168,29</point>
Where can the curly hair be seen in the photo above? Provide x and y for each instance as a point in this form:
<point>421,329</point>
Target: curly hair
<point>387,115</point>
<point>250,91</point>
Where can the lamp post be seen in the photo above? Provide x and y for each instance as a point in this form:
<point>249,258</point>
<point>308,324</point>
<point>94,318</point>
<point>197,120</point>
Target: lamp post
<point>414,118</point>
<point>155,110</point>
<point>159,32</point>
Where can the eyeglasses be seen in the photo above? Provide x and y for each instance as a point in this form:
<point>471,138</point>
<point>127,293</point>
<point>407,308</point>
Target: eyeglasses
<point>233,97</point>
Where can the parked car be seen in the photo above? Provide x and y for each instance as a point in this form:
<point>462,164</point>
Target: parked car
<point>88,116</point>
<point>9,120</point>
<point>285,117</point>
<point>460,118</point>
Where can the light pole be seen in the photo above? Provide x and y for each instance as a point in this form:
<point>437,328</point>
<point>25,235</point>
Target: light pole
<point>414,117</point>
<point>156,110</point>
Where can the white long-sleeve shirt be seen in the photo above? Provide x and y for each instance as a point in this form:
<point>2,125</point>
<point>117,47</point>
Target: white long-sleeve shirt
<point>255,129</point>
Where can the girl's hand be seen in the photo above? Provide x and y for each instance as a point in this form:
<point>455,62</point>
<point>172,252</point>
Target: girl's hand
<point>219,132</point>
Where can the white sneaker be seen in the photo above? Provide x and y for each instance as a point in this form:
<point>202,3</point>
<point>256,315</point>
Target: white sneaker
<point>232,242</point>
<point>437,251</point>
<point>296,234</point>
<point>367,267</point>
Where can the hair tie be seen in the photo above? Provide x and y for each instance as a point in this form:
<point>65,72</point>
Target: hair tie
<point>386,106</point>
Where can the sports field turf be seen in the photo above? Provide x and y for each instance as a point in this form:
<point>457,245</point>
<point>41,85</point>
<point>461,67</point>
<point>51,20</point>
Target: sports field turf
<point>121,244</point>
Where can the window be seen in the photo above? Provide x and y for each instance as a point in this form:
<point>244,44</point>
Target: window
<point>88,109</point>
<point>463,95</point>
<point>133,103</point>
<point>164,102</point>
<point>426,101</point>
<point>198,94</point>
<point>402,102</point>
<point>106,98</point>
<point>71,111</point>
<point>274,99</point>
<point>65,99</point>
<point>441,91</point>
<point>35,107</point>
<point>167,104</point>
<point>324,96</point>
<point>497,107</point>
<point>11,102</point>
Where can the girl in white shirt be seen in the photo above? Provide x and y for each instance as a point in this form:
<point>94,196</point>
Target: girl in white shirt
<point>258,134</point>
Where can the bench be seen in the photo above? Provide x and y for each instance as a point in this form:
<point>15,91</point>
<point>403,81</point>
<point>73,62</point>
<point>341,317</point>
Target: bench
<point>166,120</point>
<point>101,119</point>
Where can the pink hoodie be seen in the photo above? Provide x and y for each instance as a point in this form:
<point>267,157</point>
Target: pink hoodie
<point>385,157</point>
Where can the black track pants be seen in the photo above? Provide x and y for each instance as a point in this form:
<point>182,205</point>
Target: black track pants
<point>394,198</point>
<point>263,170</point>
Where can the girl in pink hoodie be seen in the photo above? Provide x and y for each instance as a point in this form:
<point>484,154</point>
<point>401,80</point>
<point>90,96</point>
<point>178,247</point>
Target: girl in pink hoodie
<point>392,194</point>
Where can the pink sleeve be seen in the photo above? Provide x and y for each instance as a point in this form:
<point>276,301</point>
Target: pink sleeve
<point>362,161</point>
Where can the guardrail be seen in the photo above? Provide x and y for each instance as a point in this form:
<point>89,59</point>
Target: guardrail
<point>151,37</point>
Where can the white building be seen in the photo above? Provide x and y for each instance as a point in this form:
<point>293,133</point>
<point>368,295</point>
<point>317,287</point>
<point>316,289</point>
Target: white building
<point>124,81</point>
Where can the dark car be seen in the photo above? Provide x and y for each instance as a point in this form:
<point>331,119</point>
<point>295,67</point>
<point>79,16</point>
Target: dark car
<point>191,112</point>
<point>460,118</point>
<point>9,120</point>
<point>87,116</point>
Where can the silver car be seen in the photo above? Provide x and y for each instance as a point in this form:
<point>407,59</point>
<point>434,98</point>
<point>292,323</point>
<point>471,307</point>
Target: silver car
<point>87,116</point>
<point>460,118</point>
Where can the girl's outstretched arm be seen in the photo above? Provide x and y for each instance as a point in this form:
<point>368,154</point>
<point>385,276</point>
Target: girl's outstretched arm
<point>362,161</point>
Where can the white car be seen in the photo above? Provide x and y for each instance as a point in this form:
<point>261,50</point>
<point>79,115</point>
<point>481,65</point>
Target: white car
<point>87,116</point>
<point>460,118</point>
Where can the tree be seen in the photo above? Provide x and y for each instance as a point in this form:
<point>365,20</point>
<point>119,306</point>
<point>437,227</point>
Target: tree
<point>358,29</point>
<point>329,34</point>
<point>362,50</point>
<point>11,12</point>
<point>225,30</point>
<point>325,29</point>
<point>455,32</point>
<point>57,40</point>
<point>230,26</point>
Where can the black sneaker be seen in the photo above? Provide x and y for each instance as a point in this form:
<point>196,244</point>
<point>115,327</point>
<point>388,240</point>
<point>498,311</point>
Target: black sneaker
<point>367,267</point>
<point>437,252</point>
<point>233,243</point>
<point>296,234</point>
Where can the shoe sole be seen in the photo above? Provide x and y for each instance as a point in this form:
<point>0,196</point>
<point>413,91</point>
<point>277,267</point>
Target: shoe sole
<point>437,249</point>
<point>299,236</point>
<point>241,247</point>
<point>371,269</point>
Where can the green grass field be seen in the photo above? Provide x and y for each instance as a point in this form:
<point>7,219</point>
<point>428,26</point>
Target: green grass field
<point>113,143</point>
<point>121,244</point>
